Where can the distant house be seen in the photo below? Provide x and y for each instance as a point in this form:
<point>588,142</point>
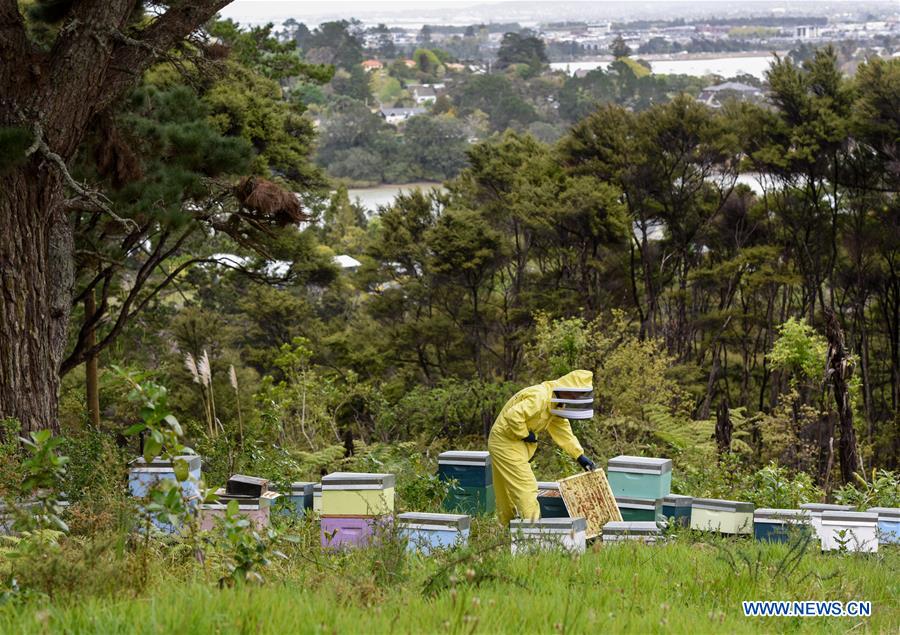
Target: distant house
<point>347,263</point>
<point>715,96</point>
<point>424,95</point>
<point>372,65</point>
<point>410,63</point>
<point>454,67</point>
<point>396,116</point>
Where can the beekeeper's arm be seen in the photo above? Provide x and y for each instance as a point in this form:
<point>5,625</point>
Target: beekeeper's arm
<point>516,418</point>
<point>561,432</point>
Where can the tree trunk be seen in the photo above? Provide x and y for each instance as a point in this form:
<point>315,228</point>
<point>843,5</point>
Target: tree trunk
<point>723,428</point>
<point>839,369</point>
<point>36,278</point>
<point>91,372</point>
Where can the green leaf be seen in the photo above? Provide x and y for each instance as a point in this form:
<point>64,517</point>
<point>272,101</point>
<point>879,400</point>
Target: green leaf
<point>182,471</point>
<point>151,448</point>
<point>173,423</point>
<point>131,430</point>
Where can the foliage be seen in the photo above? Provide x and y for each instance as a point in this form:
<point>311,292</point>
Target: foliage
<point>799,350</point>
<point>43,470</point>
<point>247,551</point>
<point>882,490</point>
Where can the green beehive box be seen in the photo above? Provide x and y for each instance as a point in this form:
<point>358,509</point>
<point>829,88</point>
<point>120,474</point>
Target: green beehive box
<point>640,509</point>
<point>474,501</point>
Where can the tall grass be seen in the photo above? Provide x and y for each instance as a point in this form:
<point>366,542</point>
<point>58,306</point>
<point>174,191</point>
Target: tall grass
<point>684,587</point>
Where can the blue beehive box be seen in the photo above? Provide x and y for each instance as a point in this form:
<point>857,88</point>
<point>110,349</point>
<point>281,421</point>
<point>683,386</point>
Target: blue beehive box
<point>300,498</point>
<point>639,477</point>
<point>143,476</point>
<point>776,525</point>
<point>426,532</point>
<point>888,524</point>
<point>468,468</point>
<point>677,509</point>
<point>551,503</point>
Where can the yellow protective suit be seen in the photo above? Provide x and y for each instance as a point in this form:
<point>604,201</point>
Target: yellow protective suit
<point>527,411</point>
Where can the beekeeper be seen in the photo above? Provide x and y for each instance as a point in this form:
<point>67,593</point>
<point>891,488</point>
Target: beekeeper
<point>546,407</point>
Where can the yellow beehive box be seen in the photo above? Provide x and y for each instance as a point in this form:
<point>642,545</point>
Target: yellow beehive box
<point>357,494</point>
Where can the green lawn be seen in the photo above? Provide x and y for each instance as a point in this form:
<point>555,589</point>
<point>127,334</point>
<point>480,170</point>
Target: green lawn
<point>684,587</point>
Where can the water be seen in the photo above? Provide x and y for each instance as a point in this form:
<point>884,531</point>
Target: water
<point>374,197</point>
<point>755,65</point>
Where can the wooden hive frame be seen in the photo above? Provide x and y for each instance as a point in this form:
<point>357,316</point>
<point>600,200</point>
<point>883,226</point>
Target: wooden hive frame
<point>589,495</point>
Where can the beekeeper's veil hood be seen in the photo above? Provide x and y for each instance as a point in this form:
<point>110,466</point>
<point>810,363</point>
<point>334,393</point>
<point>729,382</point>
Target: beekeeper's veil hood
<point>573,395</point>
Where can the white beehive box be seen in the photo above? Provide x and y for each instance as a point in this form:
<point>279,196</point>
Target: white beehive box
<point>816,510</point>
<point>850,531</point>
<point>642,531</point>
<point>549,533</point>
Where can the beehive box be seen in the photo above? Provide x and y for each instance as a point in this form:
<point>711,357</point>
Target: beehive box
<point>143,476</point>
<point>849,531</point>
<point>640,509</point>
<point>550,501</point>
<point>777,525</point>
<point>351,531</point>
<point>467,468</point>
<point>548,533</point>
<point>615,531</point>
<point>317,499</point>
<point>888,524</point>
<point>256,509</point>
<point>640,477</point>
<point>300,497</point>
<point>677,509</point>
<point>474,501</point>
<point>357,494</point>
<point>426,532</point>
<point>587,495</point>
<point>815,514</point>
<point>727,517</point>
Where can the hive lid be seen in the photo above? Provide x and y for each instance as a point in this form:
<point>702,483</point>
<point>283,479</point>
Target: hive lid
<point>574,524</point>
<point>547,486</point>
<point>639,464</point>
<point>243,485</point>
<point>193,461</point>
<point>720,505</point>
<point>641,503</point>
<point>357,480</point>
<point>457,521</point>
<point>850,517</point>
<point>678,500</point>
<point>823,507</point>
<point>302,487</point>
<point>465,457</point>
<point>769,513</point>
<point>262,500</point>
<point>637,528</point>
<point>886,513</point>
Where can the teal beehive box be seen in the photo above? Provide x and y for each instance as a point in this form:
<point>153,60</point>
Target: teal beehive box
<point>469,468</point>
<point>677,509</point>
<point>639,477</point>
<point>474,501</point>
<point>640,509</point>
<point>551,503</point>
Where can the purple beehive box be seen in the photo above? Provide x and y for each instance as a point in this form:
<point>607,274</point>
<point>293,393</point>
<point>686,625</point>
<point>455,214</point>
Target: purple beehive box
<point>350,531</point>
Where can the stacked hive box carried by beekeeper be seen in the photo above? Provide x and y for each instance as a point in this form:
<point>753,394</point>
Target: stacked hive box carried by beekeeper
<point>639,485</point>
<point>777,525</point>
<point>550,500</point>
<point>355,507</point>
<point>548,533</point>
<point>724,516</point>
<point>143,477</point>
<point>888,524</point>
<point>615,531</point>
<point>426,532</point>
<point>849,531</point>
<point>252,496</point>
<point>677,509</point>
<point>815,513</point>
<point>473,492</point>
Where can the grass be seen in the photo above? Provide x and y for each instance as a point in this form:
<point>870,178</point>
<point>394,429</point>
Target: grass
<point>688,586</point>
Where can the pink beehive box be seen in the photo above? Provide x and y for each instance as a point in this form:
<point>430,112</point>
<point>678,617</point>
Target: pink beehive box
<point>255,509</point>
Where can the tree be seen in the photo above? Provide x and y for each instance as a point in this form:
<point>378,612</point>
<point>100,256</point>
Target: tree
<point>619,49</point>
<point>518,49</point>
<point>51,98</point>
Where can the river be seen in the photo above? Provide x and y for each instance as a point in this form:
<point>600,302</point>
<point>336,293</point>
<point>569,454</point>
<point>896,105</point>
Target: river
<point>755,65</point>
<point>374,197</point>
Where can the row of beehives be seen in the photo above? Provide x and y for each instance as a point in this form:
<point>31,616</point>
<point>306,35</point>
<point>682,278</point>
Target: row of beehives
<point>354,506</point>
